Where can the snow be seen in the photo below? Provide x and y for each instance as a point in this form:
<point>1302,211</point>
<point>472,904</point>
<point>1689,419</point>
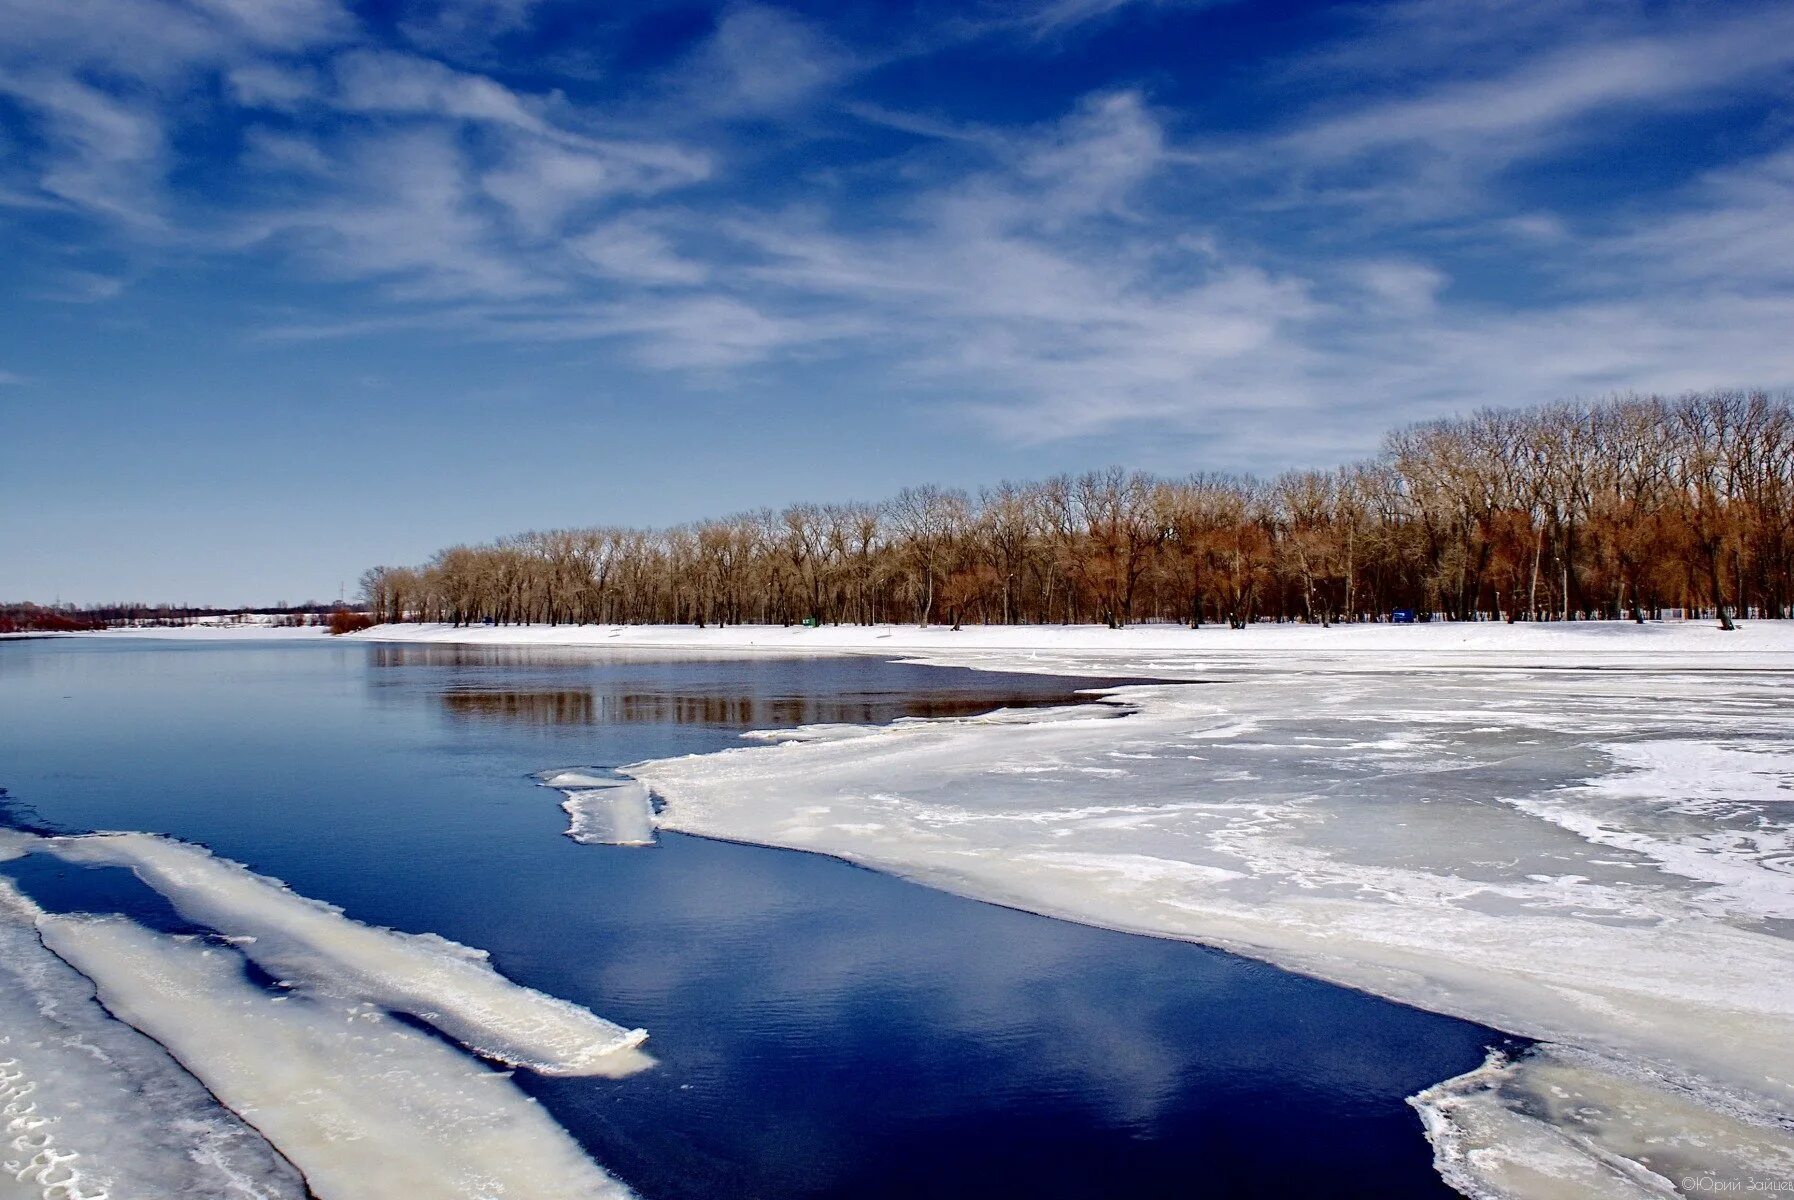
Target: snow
<point>1574,832</point>
<point>213,633</point>
<point>320,951</point>
<point>367,1108</point>
<point>1081,649</point>
<point>91,1108</point>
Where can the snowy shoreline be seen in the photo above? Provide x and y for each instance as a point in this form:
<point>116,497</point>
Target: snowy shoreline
<point>1443,815</point>
<point>1443,638</point>
<point>1452,643</point>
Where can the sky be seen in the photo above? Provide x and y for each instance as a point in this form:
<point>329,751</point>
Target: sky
<point>289,288</point>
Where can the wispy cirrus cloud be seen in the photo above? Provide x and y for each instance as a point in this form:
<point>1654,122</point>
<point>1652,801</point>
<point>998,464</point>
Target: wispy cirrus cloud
<point>1387,242</point>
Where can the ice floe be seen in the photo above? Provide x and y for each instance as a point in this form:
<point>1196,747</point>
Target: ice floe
<point>91,1109</point>
<point>366,1107</point>
<point>1557,1123</point>
<point>607,810</point>
<point>314,947</point>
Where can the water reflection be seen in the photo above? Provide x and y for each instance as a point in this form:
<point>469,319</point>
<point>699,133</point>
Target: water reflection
<point>743,710</point>
<point>580,686</point>
<point>527,708</point>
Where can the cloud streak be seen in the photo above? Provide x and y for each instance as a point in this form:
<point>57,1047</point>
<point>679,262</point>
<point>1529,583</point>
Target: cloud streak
<point>1379,250</point>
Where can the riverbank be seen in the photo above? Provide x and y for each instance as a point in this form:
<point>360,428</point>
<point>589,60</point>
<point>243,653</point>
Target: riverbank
<point>1173,651</point>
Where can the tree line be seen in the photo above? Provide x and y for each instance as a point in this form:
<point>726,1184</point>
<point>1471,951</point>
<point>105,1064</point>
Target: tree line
<point>70,618</point>
<point>1619,509</point>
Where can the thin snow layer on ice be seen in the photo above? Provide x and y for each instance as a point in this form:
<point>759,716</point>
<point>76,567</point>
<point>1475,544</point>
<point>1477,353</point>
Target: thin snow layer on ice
<point>90,1108</point>
<point>315,947</point>
<point>1502,845</point>
<point>1718,812</point>
<point>368,1108</point>
<point>603,810</point>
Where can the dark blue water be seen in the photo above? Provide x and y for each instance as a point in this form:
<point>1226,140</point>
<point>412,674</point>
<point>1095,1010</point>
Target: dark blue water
<point>821,1030</point>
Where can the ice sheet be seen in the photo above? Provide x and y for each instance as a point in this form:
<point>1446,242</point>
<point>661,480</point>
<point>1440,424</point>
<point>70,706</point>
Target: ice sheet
<point>1554,1122</point>
<point>315,947</point>
<point>367,1108</point>
<point>1415,835</point>
<point>89,1108</point>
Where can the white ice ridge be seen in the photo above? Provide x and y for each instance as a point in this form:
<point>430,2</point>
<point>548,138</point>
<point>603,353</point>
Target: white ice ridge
<point>313,946</point>
<point>90,1109</point>
<point>603,810</point>
<point>366,1107</point>
<point>1594,858</point>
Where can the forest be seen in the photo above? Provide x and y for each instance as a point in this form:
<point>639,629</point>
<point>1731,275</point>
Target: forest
<point>1622,509</point>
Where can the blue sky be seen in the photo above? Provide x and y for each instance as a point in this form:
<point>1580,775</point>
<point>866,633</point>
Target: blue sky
<point>297,286</point>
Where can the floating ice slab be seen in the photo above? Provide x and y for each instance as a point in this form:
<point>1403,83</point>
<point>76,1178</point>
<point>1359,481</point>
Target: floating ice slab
<point>91,1108</point>
<point>603,809</point>
<point>617,816</point>
<point>314,946</point>
<point>367,1108</point>
<point>575,777</point>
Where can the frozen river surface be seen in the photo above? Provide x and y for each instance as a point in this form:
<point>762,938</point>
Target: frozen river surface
<point>1597,853</point>
<point>185,1012</point>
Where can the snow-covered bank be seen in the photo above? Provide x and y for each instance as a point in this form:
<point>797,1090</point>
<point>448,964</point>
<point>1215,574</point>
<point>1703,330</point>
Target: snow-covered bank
<point>1088,649</point>
<point>1440,814</point>
<point>192,633</point>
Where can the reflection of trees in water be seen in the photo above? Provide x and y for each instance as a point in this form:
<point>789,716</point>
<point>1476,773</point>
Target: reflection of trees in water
<point>738,710</point>
<point>526,708</point>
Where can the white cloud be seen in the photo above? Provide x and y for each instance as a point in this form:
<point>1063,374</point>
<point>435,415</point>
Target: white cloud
<point>86,287</point>
<point>107,155</point>
<point>407,212</point>
<point>543,182</point>
<point>273,85</point>
<point>1737,233</point>
<point>761,60</point>
<point>285,24</point>
<point>377,81</point>
<point>1094,275</point>
<point>465,25</point>
<point>1522,110</point>
<point>103,81</point>
<point>1409,286</point>
<point>632,251</point>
